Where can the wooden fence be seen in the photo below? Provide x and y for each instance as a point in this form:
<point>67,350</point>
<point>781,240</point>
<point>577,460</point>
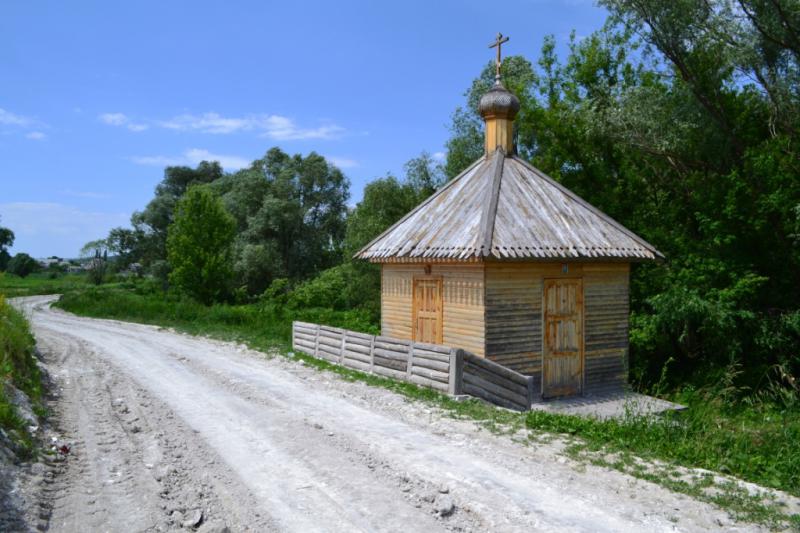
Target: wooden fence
<point>496,383</point>
<point>449,370</point>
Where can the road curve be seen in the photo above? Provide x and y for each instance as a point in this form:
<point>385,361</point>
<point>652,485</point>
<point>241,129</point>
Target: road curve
<point>166,428</point>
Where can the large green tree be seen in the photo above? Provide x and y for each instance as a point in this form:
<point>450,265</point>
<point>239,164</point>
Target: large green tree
<point>199,246</point>
<point>150,225</point>
<point>679,119</point>
<point>290,216</point>
<point>22,265</point>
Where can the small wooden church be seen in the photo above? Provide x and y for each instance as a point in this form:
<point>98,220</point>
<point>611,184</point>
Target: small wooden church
<point>508,264</point>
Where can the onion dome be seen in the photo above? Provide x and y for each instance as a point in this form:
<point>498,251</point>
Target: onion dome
<point>498,102</point>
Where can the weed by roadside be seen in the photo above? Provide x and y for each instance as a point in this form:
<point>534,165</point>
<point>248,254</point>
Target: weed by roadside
<point>18,368</point>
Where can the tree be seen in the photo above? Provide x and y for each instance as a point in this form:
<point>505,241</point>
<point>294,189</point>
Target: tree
<point>150,225</point>
<point>680,120</point>
<point>6,242</point>
<point>290,215</point>
<point>424,174</point>
<point>199,246</point>
<point>22,265</point>
<point>97,265</point>
<point>125,245</point>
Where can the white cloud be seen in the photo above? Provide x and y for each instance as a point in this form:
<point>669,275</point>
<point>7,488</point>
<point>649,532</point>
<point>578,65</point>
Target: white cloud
<point>273,126</point>
<point>8,118</point>
<point>45,228</point>
<point>121,119</point>
<point>113,119</point>
<point>342,162</point>
<point>192,157</point>
<point>19,122</point>
<point>439,156</point>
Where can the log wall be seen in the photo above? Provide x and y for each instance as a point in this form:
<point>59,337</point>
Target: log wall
<point>513,328</point>
<point>463,307</point>
<point>606,300</point>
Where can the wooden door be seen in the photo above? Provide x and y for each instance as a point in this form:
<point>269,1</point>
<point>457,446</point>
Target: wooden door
<point>562,361</point>
<point>427,310</point>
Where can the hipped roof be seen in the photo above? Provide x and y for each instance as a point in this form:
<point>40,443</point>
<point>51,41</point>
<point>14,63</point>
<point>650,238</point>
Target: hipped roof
<point>503,208</point>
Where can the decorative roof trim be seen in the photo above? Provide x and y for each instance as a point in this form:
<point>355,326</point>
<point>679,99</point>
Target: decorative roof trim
<point>493,196</point>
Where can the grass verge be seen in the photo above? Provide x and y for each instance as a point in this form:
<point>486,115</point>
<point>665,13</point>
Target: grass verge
<point>755,442</point>
<point>40,283</point>
<point>17,367</point>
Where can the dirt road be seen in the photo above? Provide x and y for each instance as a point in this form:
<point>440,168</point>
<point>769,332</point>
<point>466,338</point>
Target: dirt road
<point>167,429</point>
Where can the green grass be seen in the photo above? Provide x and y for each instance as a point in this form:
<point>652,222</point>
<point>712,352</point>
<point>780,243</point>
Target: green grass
<point>17,365</point>
<point>754,441</point>
<point>40,283</point>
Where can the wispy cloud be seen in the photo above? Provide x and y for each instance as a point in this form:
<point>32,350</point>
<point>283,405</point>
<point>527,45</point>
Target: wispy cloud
<point>276,127</point>
<point>86,194</point>
<point>342,162</point>
<point>20,123</point>
<point>121,119</point>
<point>439,156</point>
<point>7,118</point>
<point>192,157</point>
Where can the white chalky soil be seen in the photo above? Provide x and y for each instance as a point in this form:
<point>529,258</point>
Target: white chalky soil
<point>166,427</point>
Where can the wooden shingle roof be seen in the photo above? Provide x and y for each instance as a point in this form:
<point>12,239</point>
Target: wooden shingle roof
<point>503,208</point>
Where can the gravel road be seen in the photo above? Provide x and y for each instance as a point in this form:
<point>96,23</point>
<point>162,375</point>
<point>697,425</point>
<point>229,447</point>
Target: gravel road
<point>168,431</point>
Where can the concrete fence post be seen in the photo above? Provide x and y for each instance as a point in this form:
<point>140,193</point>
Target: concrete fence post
<point>456,374</point>
<point>294,330</point>
<point>531,392</point>
<point>316,341</point>
<point>372,354</point>
<point>341,347</point>
<point>410,363</point>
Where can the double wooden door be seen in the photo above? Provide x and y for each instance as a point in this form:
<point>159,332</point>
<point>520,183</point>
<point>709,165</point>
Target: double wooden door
<point>427,310</point>
<point>562,357</point>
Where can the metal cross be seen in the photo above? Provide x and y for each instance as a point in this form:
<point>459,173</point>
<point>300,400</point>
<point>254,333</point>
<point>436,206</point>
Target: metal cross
<point>498,43</point>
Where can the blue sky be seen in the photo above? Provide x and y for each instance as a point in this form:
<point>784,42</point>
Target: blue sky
<point>97,97</point>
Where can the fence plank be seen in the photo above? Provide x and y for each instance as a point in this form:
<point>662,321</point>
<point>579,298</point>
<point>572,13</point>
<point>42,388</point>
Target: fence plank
<point>356,356</point>
<point>496,390</point>
<point>496,368</point>
<point>486,395</point>
<point>357,348</point>
<point>431,364</point>
<point>395,364</point>
<point>390,354</point>
<point>430,374</point>
<point>358,365</point>
<point>390,373</point>
<point>497,379</point>
<point>419,380</point>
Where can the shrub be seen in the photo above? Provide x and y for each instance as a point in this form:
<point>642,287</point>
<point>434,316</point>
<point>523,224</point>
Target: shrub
<point>199,246</point>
